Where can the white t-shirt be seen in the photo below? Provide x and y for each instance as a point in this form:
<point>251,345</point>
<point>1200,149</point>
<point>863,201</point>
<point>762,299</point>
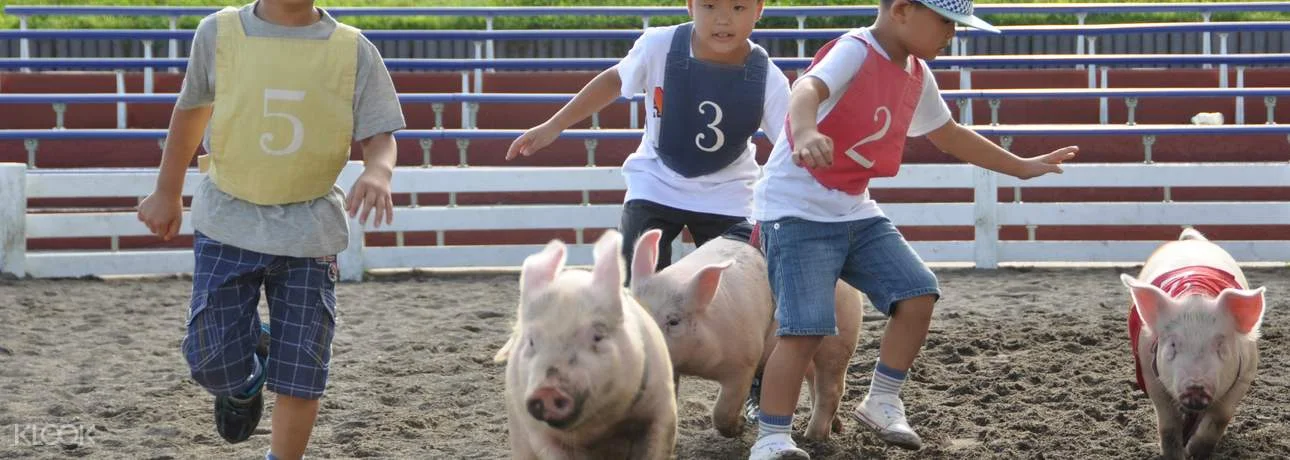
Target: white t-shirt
<point>786,189</point>
<point>725,192</point>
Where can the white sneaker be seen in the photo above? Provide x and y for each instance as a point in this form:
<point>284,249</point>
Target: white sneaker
<point>886,416</point>
<point>777,447</point>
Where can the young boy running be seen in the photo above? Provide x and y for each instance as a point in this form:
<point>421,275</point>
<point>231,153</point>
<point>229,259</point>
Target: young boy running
<point>285,89</point>
<point>709,88</point>
<point>849,115</point>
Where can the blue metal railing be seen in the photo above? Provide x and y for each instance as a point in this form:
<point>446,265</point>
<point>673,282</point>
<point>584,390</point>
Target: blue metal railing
<point>945,62</point>
<point>772,11</point>
<point>632,34</point>
<point>994,96</point>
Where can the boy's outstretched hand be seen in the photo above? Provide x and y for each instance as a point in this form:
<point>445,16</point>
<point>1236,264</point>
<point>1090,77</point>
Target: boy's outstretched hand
<point>532,140</point>
<point>372,192</point>
<point>1047,163</point>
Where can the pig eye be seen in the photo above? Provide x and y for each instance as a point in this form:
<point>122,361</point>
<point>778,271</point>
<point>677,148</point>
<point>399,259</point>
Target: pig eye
<point>598,337</point>
<point>673,321</point>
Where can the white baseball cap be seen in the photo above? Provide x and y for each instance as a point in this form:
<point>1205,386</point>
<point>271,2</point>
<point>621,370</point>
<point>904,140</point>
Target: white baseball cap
<point>959,11</point>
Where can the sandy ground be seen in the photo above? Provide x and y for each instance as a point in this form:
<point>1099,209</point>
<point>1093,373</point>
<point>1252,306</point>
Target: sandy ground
<point>1020,363</point>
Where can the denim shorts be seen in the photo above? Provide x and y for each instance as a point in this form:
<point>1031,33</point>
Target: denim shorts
<point>806,258</point>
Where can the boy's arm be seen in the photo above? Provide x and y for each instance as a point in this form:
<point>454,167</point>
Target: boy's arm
<point>811,148</point>
<point>377,115</point>
<point>967,145</point>
<point>186,129</point>
<point>372,189</point>
<point>162,211</point>
<point>599,93</point>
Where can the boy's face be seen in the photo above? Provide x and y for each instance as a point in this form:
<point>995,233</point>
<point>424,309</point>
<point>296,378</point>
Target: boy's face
<point>923,32</point>
<point>722,26</point>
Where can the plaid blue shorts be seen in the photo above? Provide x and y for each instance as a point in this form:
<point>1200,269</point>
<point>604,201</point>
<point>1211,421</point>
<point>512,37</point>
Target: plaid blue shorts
<point>224,325</point>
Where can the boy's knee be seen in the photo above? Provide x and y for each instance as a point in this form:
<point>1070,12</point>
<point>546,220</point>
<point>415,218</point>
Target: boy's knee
<point>803,346</point>
<point>919,307</point>
<point>221,374</point>
<point>218,363</point>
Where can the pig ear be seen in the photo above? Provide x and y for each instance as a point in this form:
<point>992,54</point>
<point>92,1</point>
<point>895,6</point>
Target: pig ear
<point>539,269</point>
<point>703,287</point>
<point>1150,300</point>
<point>608,272</point>
<point>645,256</point>
<point>1246,306</point>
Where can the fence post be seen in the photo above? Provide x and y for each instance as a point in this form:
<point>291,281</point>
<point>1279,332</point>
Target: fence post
<point>351,259</point>
<point>173,50</point>
<point>24,45</point>
<point>13,219</point>
<point>985,211</point>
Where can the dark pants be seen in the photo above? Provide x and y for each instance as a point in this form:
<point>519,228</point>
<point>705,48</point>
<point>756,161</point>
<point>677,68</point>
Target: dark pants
<point>639,216</point>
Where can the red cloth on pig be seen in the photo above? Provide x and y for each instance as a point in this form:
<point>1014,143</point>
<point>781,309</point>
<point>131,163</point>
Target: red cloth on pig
<point>1196,279</point>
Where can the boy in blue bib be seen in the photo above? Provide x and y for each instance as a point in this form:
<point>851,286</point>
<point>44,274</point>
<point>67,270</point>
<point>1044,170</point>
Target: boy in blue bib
<point>710,90</point>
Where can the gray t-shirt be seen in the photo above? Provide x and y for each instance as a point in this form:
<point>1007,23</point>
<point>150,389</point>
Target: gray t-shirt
<point>309,229</point>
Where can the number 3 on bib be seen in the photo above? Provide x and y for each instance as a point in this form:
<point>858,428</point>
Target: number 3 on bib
<point>716,120</point>
<point>886,123</point>
<point>297,127</point>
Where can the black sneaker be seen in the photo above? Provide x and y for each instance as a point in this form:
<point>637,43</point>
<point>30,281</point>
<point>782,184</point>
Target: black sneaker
<point>236,419</point>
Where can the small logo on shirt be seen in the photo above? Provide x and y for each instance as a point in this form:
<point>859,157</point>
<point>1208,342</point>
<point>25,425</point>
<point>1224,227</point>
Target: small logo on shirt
<point>658,102</point>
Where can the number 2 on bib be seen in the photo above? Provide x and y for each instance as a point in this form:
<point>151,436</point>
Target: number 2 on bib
<point>886,123</point>
<point>716,120</point>
<point>297,127</point>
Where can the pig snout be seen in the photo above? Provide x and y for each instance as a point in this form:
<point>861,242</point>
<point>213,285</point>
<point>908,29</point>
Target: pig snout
<point>553,406</point>
<point>1195,398</point>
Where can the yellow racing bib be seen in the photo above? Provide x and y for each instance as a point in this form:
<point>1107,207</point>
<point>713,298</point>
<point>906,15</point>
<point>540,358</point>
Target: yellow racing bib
<point>283,118</point>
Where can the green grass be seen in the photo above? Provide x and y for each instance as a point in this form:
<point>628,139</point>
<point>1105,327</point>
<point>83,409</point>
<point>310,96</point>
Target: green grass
<point>87,22</point>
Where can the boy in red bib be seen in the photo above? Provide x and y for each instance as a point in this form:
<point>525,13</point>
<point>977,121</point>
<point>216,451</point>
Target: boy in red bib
<point>849,115</point>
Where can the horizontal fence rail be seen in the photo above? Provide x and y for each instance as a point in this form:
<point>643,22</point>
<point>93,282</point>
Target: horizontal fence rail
<point>632,34</point>
<point>772,11</point>
<point>59,101</point>
<point>986,250</point>
<point>514,64</point>
<point>441,134</point>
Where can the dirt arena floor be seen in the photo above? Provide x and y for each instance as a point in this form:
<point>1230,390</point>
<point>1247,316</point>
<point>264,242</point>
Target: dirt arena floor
<point>1020,363</point>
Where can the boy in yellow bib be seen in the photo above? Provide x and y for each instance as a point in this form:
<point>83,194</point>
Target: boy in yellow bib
<point>295,89</point>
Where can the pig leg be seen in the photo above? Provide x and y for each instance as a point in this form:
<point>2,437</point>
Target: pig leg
<point>520,447</point>
<point>1215,421</point>
<point>1207,435</point>
<point>1170,425</point>
<point>726,415</point>
<point>659,441</point>
<point>826,396</point>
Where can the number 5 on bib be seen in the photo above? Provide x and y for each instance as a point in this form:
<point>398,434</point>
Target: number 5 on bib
<point>297,127</point>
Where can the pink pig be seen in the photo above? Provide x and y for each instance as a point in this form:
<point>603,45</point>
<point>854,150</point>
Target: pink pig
<point>1193,328</point>
<point>588,374</point>
<point>718,315</point>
